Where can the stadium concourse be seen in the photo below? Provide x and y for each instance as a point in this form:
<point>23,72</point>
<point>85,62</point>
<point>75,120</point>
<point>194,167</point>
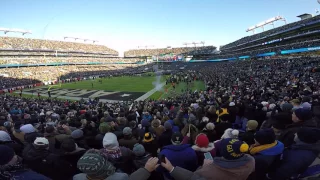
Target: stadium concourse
<point>258,117</point>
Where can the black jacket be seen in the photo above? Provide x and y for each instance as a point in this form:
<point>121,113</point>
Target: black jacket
<point>287,135</point>
<point>248,137</point>
<point>165,138</point>
<point>46,163</point>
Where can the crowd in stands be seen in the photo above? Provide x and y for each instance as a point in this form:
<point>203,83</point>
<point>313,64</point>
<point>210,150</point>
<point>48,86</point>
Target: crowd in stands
<point>254,51</point>
<point>13,77</point>
<point>177,51</point>
<point>63,60</point>
<point>271,32</point>
<point>40,44</point>
<point>255,120</point>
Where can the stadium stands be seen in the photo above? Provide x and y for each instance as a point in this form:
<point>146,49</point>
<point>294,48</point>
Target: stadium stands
<point>179,50</point>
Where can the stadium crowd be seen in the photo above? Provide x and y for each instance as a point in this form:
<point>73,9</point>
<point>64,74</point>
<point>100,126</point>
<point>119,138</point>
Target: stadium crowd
<point>255,120</point>
<point>13,43</point>
<point>178,51</point>
<point>270,32</point>
<point>13,77</point>
<point>16,60</point>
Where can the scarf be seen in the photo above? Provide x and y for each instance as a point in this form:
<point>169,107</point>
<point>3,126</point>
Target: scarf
<point>111,154</point>
<point>7,170</point>
<point>257,149</point>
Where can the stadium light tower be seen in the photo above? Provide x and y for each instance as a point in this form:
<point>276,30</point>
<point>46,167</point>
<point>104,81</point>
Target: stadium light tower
<point>186,44</point>
<point>195,44</point>
<point>23,32</point>
<point>202,42</point>
<point>264,23</point>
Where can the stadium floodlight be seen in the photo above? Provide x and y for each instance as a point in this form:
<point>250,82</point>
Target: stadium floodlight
<point>186,44</point>
<point>7,30</point>
<point>269,21</point>
<point>202,42</point>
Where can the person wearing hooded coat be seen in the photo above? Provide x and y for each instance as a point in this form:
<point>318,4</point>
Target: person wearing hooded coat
<point>38,157</point>
<point>301,117</point>
<point>6,140</point>
<point>119,156</point>
<point>165,138</point>
<point>265,151</point>
<point>298,157</point>
<point>11,167</point>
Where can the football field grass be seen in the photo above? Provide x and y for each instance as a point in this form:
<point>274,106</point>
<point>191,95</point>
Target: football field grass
<point>124,83</point>
<point>180,88</point>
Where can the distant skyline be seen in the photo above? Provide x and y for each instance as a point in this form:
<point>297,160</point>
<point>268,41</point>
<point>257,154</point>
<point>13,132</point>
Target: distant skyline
<point>127,24</point>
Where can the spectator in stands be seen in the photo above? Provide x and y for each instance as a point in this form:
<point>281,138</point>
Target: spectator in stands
<point>179,154</point>
<point>128,141</point>
<point>248,136</point>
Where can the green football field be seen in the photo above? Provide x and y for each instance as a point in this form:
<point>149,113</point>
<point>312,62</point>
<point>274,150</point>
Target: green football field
<point>135,86</point>
<point>125,83</point>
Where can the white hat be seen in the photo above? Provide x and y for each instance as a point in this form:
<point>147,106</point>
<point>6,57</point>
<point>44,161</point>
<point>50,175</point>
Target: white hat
<point>41,141</point>
<point>28,128</point>
<point>110,141</point>
<point>232,104</point>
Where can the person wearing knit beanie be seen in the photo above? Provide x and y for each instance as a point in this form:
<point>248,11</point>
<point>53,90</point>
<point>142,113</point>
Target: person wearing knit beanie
<point>230,133</point>
<point>202,145</point>
<point>95,166</point>
<point>28,128</point>
<point>138,150</point>
<point>77,134</point>
<point>252,125</point>
<point>248,136</point>
<point>301,114</point>
<point>147,137</point>
<point>110,141</point>
<point>104,128</point>
<point>210,132</point>
<point>266,136</point>
<point>210,126</point>
<point>266,143</point>
<point>232,149</point>
<point>176,138</point>
<point>128,140</point>
<point>41,143</point>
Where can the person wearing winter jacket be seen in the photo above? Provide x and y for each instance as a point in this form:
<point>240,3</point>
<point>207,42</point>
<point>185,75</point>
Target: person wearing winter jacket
<point>140,160</point>
<point>11,166</point>
<point>165,138</point>
<point>179,154</point>
<point>157,127</point>
<point>119,156</point>
<point>202,145</point>
<point>233,165</point>
<point>265,151</point>
<point>210,132</point>
<point>248,136</point>
<point>96,166</point>
<point>301,117</point>
<point>30,133</point>
<point>6,140</point>
<point>127,141</point>
<point>38,157</point>
<point>297,158</point>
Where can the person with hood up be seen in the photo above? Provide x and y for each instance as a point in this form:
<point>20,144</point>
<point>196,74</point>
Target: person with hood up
<point>301,117</point>
<point>165,138</point>
<point>38,157</point>
<point>6,140</point>
<point>120,157</point>
<point>11,167</point>
<point>265,151</point>
<point>30,133</point>
<point>233,165</point>
<point>157,127</point>
<point>248,136</point>
<point>179,154</point>
<point>71,152</point>
<point>299,156</point>
<point>202,145</point>
<point>95,166</point>
<point>128,141</point>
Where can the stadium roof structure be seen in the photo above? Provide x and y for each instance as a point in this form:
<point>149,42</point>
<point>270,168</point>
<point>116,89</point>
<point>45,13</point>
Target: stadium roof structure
<point>7,30</point>
<point>305,16</point>
<point>269,21</point>
<point>84,40</point>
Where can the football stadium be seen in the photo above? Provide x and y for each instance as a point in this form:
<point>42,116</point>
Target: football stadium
<point>116,107</point>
